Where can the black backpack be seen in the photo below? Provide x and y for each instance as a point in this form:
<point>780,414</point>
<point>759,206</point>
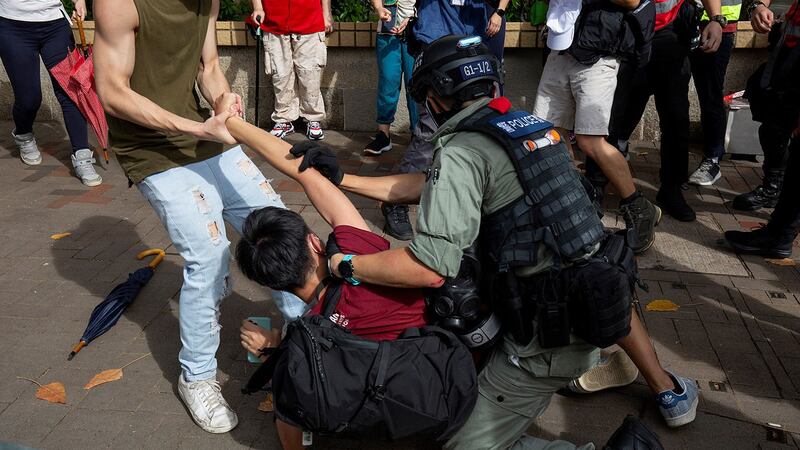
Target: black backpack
<point>329,381</point>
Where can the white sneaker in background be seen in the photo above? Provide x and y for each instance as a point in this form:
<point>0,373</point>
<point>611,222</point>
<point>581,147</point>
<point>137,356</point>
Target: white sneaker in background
<point>207,406</point>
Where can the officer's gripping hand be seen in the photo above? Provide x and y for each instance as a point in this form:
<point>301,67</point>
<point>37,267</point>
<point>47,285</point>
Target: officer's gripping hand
<point>319,157</point>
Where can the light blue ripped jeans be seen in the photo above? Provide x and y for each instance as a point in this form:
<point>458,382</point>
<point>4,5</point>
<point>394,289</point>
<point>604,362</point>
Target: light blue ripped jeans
<point>192,202</point>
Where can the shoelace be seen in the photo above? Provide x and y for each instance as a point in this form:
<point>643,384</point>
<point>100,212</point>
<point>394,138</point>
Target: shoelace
<point>209,390</point>
<point>399,215</point>
<point>706,165</point>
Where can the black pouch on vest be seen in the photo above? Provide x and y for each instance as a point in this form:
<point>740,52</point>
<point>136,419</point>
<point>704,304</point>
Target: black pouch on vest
<point>552,315</point>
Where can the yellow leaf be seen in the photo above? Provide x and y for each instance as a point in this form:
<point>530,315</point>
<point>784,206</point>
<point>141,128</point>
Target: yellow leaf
<point>661,306</point>
<point>782,261</point>
<point>53,393</point>
<point>105,376</point>
<point>267,405</point>
<point>58,236</point>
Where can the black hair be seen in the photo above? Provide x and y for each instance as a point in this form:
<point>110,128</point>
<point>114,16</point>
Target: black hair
<point>273,250</point>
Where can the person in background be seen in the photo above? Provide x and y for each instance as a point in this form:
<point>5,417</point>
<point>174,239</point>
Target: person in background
<point>496,27</point>
<point>777,238</point>
<point>394,68</point>
<point>666,77</point>
<point>30,30</point>
<point>295,55</point>
<point>435,19</point>
<point>708,71</point>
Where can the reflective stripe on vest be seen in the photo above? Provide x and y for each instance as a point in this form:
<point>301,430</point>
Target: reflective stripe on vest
<point>666,11</point>
<point>792,38</point>
<point>731,9</point>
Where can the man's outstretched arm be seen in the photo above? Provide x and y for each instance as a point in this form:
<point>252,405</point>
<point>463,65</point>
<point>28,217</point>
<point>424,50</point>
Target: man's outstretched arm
<point>114,57</point>
<point>404,188</point>
<point>330,202</point>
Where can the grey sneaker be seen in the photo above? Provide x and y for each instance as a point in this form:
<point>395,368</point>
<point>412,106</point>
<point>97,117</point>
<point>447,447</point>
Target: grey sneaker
<point>207,406</point>
<point>83,161</point>
<point>706,174</point>
<point>642,216</point>
<point>678,409</point>
<point>28,150</point>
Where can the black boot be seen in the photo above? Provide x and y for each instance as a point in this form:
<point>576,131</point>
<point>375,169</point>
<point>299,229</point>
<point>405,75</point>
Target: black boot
<point>760,242</point>
<point>670,198</point>
<point>397,224</point>
<point>633,435</point>
<point>764,196</point>
<point>641,216</point>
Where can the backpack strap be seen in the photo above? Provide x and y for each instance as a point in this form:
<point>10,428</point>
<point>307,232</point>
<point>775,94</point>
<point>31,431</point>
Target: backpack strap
<point>332,296</point>
<point>378,389</point>
<point>264,373</point>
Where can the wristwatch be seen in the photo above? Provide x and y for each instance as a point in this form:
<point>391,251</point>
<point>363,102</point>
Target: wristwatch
<point>346,270</point>
<point>500,12</point>
<point>755,5</point>
<point>720,19</point>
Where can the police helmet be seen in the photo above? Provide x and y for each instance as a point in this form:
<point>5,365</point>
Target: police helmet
<point>455,66</point>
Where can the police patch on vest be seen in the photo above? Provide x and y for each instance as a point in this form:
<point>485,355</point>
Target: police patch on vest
<point>520,123</point>
<point>475,69</point>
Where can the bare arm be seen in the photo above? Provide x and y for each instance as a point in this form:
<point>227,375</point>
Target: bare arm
<point>114,58</point>
<point>327,16</point>
<point>627,4</point>
<point>396,267</point>
<point>330,202</point>
<point>712,33</point>
<point>210,79</point>
<point>402,188</point>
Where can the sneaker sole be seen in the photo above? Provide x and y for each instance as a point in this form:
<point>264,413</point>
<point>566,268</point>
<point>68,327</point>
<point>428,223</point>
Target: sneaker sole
<point>282,135</point>
<point>315,138</point>
<point>208,429</point>
<point>686,418</point>
<point>601,378</point>
<point>92,183</point>
<point>706,183</point>
<point>398,237</point>
<point>760,251</point>
<point>34,162</point>
<point>379,151</point>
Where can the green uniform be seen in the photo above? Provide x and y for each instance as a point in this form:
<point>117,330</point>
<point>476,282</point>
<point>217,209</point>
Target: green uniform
<point>471,176</point>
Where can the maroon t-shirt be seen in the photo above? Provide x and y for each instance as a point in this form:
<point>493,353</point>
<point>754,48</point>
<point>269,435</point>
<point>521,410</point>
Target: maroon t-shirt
<point>370,311</point>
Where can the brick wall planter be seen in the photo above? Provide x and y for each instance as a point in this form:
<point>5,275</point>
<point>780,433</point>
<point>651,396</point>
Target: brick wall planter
<point>362,34</point>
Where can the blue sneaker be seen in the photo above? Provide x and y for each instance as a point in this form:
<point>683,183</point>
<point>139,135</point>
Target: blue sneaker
<point>679,409</point>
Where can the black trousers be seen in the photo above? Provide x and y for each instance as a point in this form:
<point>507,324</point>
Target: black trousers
<point>708,71</point>
<point>785,221</point>
<point>666,77</point>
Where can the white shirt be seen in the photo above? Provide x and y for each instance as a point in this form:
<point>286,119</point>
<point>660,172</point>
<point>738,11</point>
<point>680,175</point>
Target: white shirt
<point>32,10</point>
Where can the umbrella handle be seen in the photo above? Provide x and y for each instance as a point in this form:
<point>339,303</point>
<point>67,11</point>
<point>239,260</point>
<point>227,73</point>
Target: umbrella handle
<point>82,34</point>
<point>76,349</point>
<point>153,251</point>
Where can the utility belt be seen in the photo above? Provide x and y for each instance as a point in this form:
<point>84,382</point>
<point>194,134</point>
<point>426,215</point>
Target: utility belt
<point>591,298</point>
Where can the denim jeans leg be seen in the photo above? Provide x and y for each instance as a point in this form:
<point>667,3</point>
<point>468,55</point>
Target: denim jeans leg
<point>244,190</point>
<point>390,77</point>
<point>190,207</point>
<point>408,67</point>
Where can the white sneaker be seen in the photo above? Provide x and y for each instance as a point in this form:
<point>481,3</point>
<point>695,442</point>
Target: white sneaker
<point>314,131</point>
<point>83,161</point>
<point>282,129</point>
<point>615,370</point>
<point>28,150</point>
<point>205,403</point>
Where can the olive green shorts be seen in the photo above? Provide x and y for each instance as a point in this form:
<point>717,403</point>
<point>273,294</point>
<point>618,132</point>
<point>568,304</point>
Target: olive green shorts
<point>515,390</point>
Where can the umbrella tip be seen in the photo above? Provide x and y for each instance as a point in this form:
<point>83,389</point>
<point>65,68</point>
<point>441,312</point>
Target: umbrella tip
<point>71,355</point>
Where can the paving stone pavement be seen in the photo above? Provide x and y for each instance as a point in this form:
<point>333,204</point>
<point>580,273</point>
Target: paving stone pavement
<point>737,331</point>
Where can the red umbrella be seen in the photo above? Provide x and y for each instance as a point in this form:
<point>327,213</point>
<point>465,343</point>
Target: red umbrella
<point>75,74</point>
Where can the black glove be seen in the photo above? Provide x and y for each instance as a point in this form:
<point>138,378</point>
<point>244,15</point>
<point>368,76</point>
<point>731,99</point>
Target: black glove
<point>331,247</point>
<point>319,157</point>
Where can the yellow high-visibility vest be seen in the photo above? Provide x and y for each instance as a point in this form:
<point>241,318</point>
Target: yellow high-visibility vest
<point>730,9</point>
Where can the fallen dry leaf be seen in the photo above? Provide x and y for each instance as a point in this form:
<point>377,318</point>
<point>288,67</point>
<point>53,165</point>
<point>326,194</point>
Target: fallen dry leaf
<point>110,375</point>
<point>58,236</point>
<point>105,376</point>
<point>53,393</point>
<point>661,306</point>
<point>267,405</point>
<point>782,261</point>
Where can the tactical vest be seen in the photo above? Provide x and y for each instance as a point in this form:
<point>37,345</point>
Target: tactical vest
<point>792,37</point>
<point>666,12</point>
<point>554,209</point>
